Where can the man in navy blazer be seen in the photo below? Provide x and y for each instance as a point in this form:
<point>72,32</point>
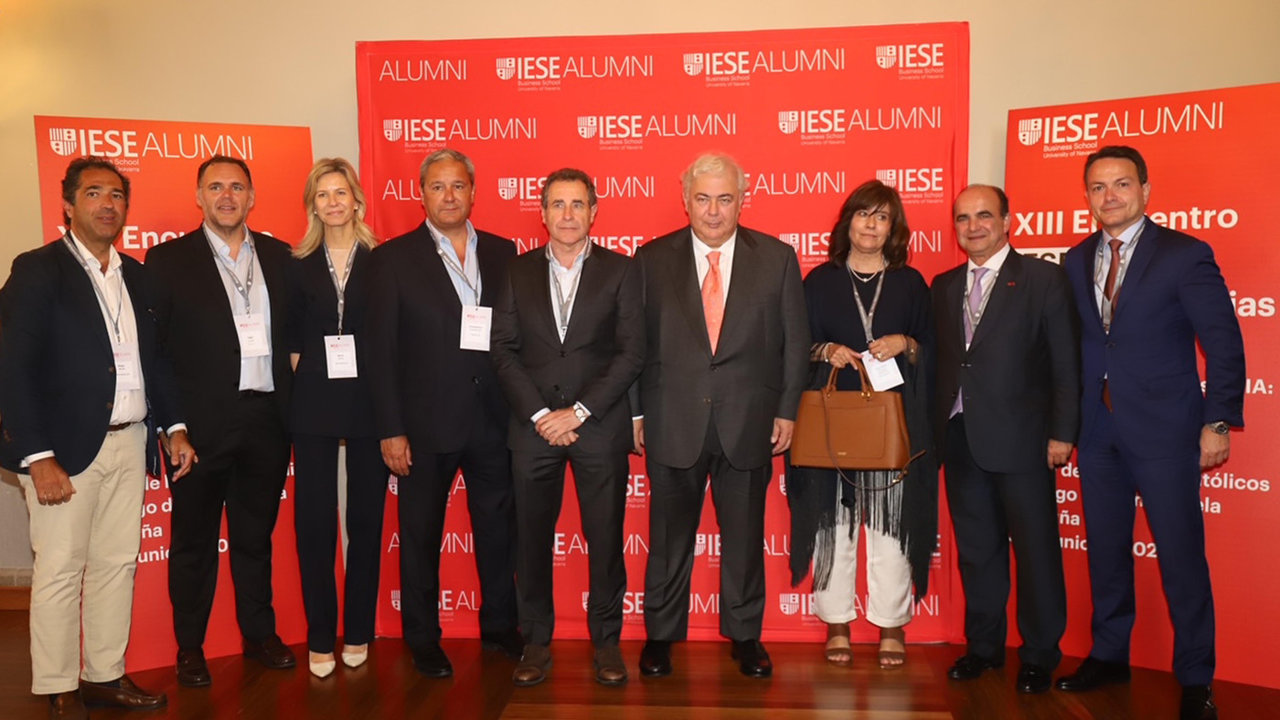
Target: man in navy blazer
<point>568,341</point>
<point>79,375</point>
<point>438,407</point>
<point>1145,295</point>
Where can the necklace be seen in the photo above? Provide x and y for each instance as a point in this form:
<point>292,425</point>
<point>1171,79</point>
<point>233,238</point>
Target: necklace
<point>865,278</point>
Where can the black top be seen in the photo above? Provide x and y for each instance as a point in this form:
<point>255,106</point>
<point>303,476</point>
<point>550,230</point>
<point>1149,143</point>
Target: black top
<point>341,407</point>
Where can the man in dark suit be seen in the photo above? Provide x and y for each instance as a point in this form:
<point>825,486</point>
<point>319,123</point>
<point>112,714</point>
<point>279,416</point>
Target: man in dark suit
<point>438,407</point>
<point>727,352</point>
<point>79,373</point>
<point>221,306</point>
<point>1006,413</point>
<point>1145,295</point>
<point>568,341</point>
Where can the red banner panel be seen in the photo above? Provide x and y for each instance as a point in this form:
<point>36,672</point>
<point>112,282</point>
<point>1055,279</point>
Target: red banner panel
<point>810,114</point>
<point>1213,175</point>
<point>160,159</point>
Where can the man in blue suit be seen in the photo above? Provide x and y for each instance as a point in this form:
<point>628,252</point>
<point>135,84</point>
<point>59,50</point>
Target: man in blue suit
<point>1145,295</point>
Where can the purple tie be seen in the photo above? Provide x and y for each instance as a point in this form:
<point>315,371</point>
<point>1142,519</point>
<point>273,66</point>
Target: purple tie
<point>975,304</point>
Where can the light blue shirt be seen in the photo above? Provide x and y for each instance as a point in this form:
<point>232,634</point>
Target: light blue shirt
<point>467,282</point>
<point>255,372</point>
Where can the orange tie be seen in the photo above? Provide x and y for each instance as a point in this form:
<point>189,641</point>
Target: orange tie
<point>713,299</point>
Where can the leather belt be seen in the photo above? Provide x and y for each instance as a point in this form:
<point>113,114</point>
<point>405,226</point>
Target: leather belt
<point>119,427</point>
<point>245,394</point>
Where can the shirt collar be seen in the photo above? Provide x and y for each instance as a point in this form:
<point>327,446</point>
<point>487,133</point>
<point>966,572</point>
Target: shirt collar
<point>577,261</point>
<point>701,249</point>
<point>441,239</point>
<point>113,262</point>
<point>221,247</point>
<point>995,262</point>
<point>1127,235</point>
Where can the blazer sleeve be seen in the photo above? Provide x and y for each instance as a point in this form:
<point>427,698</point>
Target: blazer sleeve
<point>629,338</point>
<point>383,343</point>
<point>1062,331</point>
<point>1204,297</point>
<point>795,338</point>
<point>504,350</point>
<point>26,303</point>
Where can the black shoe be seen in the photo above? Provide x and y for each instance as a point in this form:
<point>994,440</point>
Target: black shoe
<point>193,671</point>
<point>970,666</point>
<point>1092,674</point>
<point>507,642</point>
<point>1197,703</point>
<point>1033,679</point>
<point>655,658</point>
<point>753,660</point>
<point>272,653</point>
<point>432,662</point>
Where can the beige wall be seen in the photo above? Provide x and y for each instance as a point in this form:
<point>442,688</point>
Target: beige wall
<point>286,62</point>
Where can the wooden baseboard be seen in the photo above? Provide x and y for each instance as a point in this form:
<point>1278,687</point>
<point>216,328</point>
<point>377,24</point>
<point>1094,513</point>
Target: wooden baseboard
<point>15,598</point>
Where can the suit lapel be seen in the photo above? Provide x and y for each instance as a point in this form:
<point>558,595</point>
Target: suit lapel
<point>1002,293</point>
<point>1088,291</point>
<point>953,307</point>
<point>85,297</point>
<point>588,287</point>
<point>1139,261</point>
<point>684,279</point>
<point>543,294</point>
<point>743,280</point>
<point>437,278</point>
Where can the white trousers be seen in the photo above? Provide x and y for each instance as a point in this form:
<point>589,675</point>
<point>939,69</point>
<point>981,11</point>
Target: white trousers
<point>86,550</point>
<point>888,578</point>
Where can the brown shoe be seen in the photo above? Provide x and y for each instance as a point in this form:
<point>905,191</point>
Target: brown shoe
<point>67,706</point>
<point>610,669</point>
<point>534,665</point>
<point>127,695</point>
<point>272,653</point>
<point>192,669</point>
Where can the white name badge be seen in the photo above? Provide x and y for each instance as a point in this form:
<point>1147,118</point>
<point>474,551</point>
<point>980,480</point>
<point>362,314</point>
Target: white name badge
<point>252,331</point>
<point>128,367</point>
<point>340,356</point>
<point>476,323</point>
<point>884,374</point>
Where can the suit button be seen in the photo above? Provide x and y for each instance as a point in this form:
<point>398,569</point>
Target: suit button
<point>111,370</point>
<point>110,405</point>
<point>714,368</point>
<point>706,400</point>
<point>475,380</point>
<point>561,353</point>
<point>1111,344</point>
<point>556,388</point>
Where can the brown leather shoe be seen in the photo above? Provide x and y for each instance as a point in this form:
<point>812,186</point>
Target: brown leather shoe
<point>67,706</point>
<point>610,669</point>
<point>127,695</point>
<point>272,653</point>
<point>533,667</point>
<point>193,671</point>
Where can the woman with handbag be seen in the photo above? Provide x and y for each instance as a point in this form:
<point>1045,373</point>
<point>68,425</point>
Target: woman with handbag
<point>868,303</point>
<point>332,403</point>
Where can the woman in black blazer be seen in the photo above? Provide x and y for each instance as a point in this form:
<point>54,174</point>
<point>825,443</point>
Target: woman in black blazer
<point>332,404</point>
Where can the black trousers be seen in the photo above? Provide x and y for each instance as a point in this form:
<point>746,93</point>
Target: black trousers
<point>989,509</point>
<point>315,521</point>
<point>675,509</point>
<point>424,494</point>
<point>243,470</point>
<point>601,484</point>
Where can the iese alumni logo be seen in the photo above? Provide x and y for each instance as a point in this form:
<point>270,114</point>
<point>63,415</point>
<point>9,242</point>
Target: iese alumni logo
<point>913,60</point>
<point>1083,130</point>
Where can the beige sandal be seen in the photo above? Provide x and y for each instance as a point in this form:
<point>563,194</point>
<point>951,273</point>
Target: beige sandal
<point>893,648</point>
<point>838,651</point>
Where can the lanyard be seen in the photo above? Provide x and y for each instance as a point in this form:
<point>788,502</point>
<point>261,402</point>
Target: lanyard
<point>340,286</point>
<point>867,316</point>
<point>1105,308</point>
<point>247,286</point>
<point>97,290</point>
<point>566,303</point>
<point>976,315</point>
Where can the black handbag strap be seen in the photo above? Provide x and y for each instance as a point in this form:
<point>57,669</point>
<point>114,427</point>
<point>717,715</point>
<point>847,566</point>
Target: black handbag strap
<point>826,431</point>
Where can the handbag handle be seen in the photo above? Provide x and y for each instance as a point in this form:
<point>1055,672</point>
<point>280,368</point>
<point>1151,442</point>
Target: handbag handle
<point>826,412</point>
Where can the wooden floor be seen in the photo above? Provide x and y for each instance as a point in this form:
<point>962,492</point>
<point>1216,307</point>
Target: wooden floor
<point>705,686</point>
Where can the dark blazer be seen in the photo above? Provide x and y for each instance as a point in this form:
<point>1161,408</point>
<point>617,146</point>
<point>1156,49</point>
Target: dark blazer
<point>198,332</point>
<point>1171,295</point>
<point>423,385</point>
<point>761,362</point>
<point>601,355</point>
<point>1021,373</point>
<point>57,371</point>
<point>341,407</point>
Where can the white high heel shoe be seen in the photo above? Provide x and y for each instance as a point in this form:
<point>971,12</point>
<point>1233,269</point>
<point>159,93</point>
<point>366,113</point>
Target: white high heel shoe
<point>320,666</point>
<point>354,656</point>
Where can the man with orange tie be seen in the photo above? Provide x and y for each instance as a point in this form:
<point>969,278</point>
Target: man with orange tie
<point>727,353</point>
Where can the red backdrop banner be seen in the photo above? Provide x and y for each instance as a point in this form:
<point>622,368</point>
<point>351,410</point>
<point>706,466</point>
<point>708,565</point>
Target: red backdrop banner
<point>1213,175</point>
<point>810,114</point>
<point>160,159</point>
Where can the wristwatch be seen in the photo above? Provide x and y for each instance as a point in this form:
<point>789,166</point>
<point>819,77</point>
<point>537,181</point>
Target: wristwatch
<point>1220,427</point>
<point>581,412</point>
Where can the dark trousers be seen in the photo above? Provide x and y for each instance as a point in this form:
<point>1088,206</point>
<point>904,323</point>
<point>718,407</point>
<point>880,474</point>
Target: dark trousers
<point>424,495</point>
<point>245,471</point>
<point>600,480</point>
<point>315,497</point>
<point>675,508</point>
<point>1110,476</point>
<point>988,509</point>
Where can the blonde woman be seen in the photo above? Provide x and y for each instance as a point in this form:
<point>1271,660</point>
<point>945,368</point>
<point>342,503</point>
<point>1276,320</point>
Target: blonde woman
<point>332,404</point>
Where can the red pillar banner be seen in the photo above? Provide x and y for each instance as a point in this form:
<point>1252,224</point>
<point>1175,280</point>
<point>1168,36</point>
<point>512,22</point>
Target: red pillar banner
<point>809,114</point>
<point>1213,170</point>
<point>160,159</point>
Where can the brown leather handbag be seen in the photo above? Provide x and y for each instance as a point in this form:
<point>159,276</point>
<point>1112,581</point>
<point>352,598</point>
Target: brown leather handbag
<point>852,430</point>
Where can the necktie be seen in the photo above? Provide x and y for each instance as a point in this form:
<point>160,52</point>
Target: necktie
<point>713,299</point>
<point>1109,289</point>
<point>974,304</point>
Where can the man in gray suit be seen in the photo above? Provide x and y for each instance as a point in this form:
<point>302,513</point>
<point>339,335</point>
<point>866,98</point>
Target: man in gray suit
<point>727,350</point>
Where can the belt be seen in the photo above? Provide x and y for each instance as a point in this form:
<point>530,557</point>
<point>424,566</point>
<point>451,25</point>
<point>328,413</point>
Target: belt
<point>246,394</point>
<point>121,426</point>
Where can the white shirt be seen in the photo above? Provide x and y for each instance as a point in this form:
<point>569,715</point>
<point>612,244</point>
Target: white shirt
<point>255,372</point>
<point>467,285</point>
<point>700,250</point>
